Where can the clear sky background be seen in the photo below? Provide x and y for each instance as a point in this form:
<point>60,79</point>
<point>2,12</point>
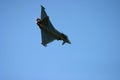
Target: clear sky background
<point>93,27</point>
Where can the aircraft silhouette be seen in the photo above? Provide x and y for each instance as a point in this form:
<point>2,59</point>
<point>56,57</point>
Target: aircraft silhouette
<point>48,32</point>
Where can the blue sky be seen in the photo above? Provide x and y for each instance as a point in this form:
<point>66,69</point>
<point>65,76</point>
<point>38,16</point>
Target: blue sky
<point>93,26</point>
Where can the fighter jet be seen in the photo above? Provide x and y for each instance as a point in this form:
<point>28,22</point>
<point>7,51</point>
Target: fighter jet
<point>48,32</point>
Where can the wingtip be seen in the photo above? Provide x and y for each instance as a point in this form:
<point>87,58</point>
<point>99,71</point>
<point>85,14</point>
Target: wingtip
<point>42,7</point>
